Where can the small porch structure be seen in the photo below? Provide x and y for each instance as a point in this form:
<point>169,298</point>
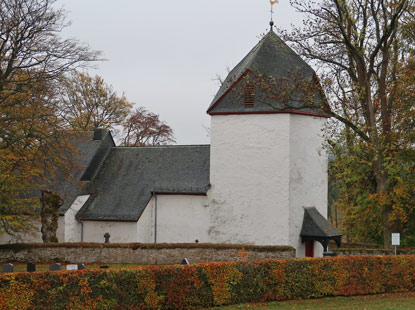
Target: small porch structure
<point>317,228</point>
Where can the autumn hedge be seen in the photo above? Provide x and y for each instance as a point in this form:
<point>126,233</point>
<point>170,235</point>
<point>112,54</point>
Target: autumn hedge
<point>205,285</point>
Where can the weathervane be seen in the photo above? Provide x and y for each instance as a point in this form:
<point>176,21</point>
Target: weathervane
<point>272,12</point>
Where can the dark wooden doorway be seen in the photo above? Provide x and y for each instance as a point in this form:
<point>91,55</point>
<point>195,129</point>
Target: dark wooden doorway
<point>309,248</point>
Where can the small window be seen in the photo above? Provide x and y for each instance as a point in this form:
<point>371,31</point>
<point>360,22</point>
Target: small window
<point>249,95</point>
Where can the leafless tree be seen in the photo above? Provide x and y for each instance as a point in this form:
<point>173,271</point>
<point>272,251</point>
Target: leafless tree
<point>145,128</point>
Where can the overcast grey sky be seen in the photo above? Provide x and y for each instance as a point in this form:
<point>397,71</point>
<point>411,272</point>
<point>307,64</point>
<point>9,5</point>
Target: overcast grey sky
<point>164,55</point>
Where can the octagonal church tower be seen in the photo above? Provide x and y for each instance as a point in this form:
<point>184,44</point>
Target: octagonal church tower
<point>267,162</point>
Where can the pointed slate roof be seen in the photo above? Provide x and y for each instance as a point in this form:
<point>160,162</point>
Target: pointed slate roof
<point>273,59</point>
<point>315,225</point>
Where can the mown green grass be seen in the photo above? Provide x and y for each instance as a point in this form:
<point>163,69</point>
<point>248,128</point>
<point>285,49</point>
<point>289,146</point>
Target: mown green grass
<point>372,302</point>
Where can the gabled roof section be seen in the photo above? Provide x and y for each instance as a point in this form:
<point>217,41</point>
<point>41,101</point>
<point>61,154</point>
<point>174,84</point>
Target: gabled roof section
<point>102,142</point>
<point>272,60</point>
<point>90,149</point>
<point>130,175</point>
<point>315,225</point>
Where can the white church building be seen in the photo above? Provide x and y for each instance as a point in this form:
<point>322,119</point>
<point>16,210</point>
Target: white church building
<point>262,180</point>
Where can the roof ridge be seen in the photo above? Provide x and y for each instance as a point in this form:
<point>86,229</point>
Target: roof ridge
<point>101,163</point>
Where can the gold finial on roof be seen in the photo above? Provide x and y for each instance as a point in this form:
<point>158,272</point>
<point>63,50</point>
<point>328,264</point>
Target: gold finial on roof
<point>272,5</point>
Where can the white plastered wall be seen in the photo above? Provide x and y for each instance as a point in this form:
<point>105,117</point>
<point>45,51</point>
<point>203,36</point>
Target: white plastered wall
<point>70,225</point>
<point>249,173</point>
<point>308,175</point>
<point>69,229</point>
<point>33,236</point>
<point>60,232</point>
<point>120,232</point>
<point>145,225</point>
<point>180,219</point>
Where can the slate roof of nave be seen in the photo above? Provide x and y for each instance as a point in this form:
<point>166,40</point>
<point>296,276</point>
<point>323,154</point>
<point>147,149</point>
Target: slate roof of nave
<point>89,150</point>
<point>272,58</point>
<point>129,176</point>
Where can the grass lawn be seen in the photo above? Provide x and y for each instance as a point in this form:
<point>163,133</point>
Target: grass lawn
<point>372,302</point>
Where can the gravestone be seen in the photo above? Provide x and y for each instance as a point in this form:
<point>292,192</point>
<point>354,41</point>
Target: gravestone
<point>71,267</point>
<point>104,267</point>
<point>107,237</point>
<point>185,261</point>
<point>7,268</point>
<point>31,267</point>
<point>81,267</point>
<point>55,267</point>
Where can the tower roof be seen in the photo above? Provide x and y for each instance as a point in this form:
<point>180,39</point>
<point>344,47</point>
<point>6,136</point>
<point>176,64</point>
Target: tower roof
<point>283,83</point>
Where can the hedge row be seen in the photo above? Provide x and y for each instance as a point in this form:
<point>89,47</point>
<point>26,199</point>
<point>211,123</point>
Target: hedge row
<point>205,285</point>
<point>135,246</point>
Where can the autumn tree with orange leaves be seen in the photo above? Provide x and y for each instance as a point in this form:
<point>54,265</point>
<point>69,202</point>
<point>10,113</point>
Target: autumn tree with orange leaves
<point>363,49</point>
<point>88,103</point>
<point>33,58</point>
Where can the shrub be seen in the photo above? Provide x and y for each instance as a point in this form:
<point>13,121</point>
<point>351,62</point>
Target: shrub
<point>408,241</point>
<point>206,285</point>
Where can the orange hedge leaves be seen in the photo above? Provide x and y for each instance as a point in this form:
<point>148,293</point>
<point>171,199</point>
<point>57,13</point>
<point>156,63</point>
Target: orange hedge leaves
<point>206,285</point>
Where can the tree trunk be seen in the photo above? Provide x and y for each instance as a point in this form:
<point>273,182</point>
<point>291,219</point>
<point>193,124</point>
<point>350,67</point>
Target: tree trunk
<point>51,203</point>
<point>382,184</point>
<point>387,231</point>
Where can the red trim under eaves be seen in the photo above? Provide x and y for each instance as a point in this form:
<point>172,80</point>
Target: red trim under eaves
<point>104,220</point>
<point>178,194</point>
<point>271,112</point>
<point>259,112</point>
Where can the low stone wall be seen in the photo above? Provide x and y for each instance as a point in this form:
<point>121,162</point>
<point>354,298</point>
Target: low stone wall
<point>362,252</point>
<point>139,253</point>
